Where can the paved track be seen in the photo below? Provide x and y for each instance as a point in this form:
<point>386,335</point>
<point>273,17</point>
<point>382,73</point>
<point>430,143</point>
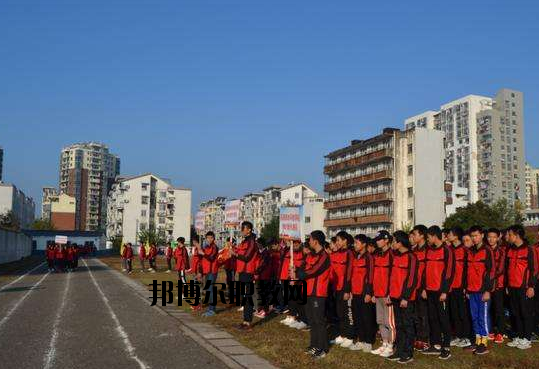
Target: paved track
<point>89,319</point>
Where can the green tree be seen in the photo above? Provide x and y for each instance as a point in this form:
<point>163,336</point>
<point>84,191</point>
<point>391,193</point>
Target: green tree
<point>116,243</point>
<point>42,225</point>
<point>151,237</point>
<point>271,230</point>
<point>499,215</point>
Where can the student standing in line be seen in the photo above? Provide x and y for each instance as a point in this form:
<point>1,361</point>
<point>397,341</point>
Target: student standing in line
<point>385,316</point>
<point>152,256</point>
<point>169,252</point>
<point>481,276</point>
<point>49,254</point>
<point>402,293</point>
<point>181,257</point>
<point>361,288</point>
<point>69,258</point>
<point>521,281</point>
<point>437,280</point>
<point>127,255</point>
<point>497,309</point>
<point>296,315</point>
<point>315,273</point>
<point>209,269</point>
<point>142,257</point>
<point>263,275</point>
<point>59,256</point>
<point>458,305</point>
<point>275,255</point>
<point>421,314</point>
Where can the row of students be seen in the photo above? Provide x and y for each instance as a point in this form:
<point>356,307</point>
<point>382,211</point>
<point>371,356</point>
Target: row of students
<point>62,258</point>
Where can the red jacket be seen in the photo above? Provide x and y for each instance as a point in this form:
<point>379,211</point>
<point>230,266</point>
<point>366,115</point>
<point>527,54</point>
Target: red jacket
<point>275,264</point>
<point>341,269</point>
<point>209,259</point>
<point>362,274</point>
<point>152,254</point>
<point>316,273</point>
<point>142,252</point>
<point>404,280</point>
<point>536,253</point>
<point>70,254</point>
<point>439,269</point>
<point>169,252</point>
<point>182,258</point>
<point>481,270</point>
<point>521,266</point>
<point>382,270</point>
<point>127,253</point>
<point>461,256</point>
<point>49,253</point>
<point>421,254</point>
<point>499,255</point>
<point>299,260</point>
<point>59,253</point>
<point>247,255</point>
<point>264,269</point>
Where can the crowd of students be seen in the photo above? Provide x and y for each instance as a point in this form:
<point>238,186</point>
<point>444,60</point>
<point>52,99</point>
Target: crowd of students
<point>62,258</point>
<point>429,290</point>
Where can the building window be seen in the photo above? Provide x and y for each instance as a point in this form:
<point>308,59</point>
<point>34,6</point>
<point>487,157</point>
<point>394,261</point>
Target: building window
<point>161,220</point>
<point>307,219</point>
<point>162,194</point>
<point>143,213</point>
<point>410,214</point>
<point>144,187</point>
<point>410,148</point>
<point>410,192</point>
<point>296,195</point>
<point>410,170</point>
<point>144,200</point>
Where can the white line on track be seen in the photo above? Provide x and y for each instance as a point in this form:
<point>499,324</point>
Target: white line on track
<point>51,353</point>
<point>21,277</point>
<point>21,300</point>
<point>119,329</point>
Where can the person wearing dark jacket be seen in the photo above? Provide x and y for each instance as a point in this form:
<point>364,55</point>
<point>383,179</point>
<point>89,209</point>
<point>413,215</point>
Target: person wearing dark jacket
<point>498,286</point>
<point>316,275</point>
<point>209,270</point>
<point>421,313</point>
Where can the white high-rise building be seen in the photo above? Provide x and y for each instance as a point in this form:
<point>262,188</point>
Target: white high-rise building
<point>15,201</point>
<point>148,202</point>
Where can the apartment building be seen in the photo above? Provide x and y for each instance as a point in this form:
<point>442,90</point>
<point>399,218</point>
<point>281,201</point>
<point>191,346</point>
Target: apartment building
<point>272,201</point>
<point>532,187</point>
<point>214,218</point>
<point>386,182</point>
<point>148,202</point>
<point>47,195</point>
<point>15,201</point>
<point>483,145</point>
<point>252,207</point>
<point>59,209</point>
<point>87,172</point>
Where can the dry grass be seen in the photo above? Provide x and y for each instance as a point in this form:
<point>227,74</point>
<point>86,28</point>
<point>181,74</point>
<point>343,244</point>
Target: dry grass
<point>10,271</point>
<point>284,346</point>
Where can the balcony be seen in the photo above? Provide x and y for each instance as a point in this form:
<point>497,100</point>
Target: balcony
<point>384,174</point>
<point>357,200</point>
<point>368,219</point>
<point>355,162</point>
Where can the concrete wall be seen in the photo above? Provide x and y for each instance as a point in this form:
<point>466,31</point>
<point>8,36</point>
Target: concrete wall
<point>41,241</point>
<point>14,246</point>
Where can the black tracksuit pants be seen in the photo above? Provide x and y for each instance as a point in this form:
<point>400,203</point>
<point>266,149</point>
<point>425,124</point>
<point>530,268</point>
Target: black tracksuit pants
<point>421,320</point>
<point>404,324</point>
<point>460,314</point>
<point>439,323</point>
<point>345,315</point>
<point>498,311</point>
<point>316,312</point>
<point>365,326</point>
<point>522,311</point>
<point>248,308</point>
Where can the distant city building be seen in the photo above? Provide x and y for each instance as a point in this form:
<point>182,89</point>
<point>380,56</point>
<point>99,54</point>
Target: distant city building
<point>148,202</point>
<point>386,182</point>
<point>15,201</point>
<point>87,171</point>
<point>532,187</point>
<point>47,194</point>
<point>484,145</point>
<point>272,201</point>
<point>214,218</point>
<point>59,209</point>
<point>1,162</point>
<point>252,209</point>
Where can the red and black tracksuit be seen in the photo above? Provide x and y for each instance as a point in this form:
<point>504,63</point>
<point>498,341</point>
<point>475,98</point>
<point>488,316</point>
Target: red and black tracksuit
<point>364,313</point>
<point>536,305</point>
<point>209,270</point>
<point>385,316</point>
<point>498,293</point>
<point>403,286</point>
<point>458,304</point>
<point>142,256</point>
<point>263,275</point>
<point>246,262</point>
<point>59,257</point>
<point>168,255</point>
<point>340,280</point>
<point>521,274</point>
<point>182,262</point>
<point>296,309</point>
<point>437,279</point>
<point>127,255</point>
<point>316,274</point>
<point>421,307</point>
<point>49,254</point>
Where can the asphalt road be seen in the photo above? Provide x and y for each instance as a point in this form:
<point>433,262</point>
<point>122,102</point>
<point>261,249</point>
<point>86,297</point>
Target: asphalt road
<point>89,319</point>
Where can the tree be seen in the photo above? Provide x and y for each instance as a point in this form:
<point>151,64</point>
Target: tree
<point>116,243</point>
<point>498,215</point>
<point>271,230</point>
<point>43,225</point>
<point>151,237</point>
<point>9,221</point>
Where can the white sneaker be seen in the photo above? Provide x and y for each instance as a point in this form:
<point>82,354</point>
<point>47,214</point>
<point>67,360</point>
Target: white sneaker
<point>286,320</point>
<point>240,309</point>
<point>464,342</point>
<point>367,347</point>
<point>524,344</point>
<point>168,271</point>
<point>387,352</point>
<point>339,340</point>
<point>380,349</point>
<point>299,325</point>
<point>455,342</point>
<point>123,270</point>
<point>514,343</point>
<point>291,322</point>
<point>346,343</point>
<point>358,346</point>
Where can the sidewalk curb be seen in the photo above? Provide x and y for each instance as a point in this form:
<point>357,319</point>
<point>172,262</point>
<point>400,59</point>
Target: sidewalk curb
<point>219,343</point>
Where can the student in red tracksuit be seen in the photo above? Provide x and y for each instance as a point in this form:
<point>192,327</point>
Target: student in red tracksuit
<point>230,264</point>
<point>402,291</point>
<point>59,257</point>
<point>168,256</point>
<point>209,269</point>
<point>479,285</point>
<point>70,258</point>
<point>263,280</point>
<point>296,314</point>
<point>152,256</point>
<point>246,260</point>
<point>127,255</point>
<point>437,280</point>
<point>340,283</point>
<point>316,275</point>
<point>49,254</point>
<point>521,280</point>
<point>419,242</point>
<point>536,298</point>
<point>364,311</point>
<point>458,305</point>
<point>383,258</point>
<point>195,260</point>
<point>497,298</point>
<point>275,255</point>
<point>181,257</point>
<point>142,257</point>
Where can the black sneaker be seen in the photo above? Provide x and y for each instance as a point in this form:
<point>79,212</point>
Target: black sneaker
<point>394,357</point>
<point>481,350</point>
<point>432,351</point>
<point>444,354</point>
<point>310,350</point>
<point>318,354</point>
<point>405,360</point>
<point>470,348</point>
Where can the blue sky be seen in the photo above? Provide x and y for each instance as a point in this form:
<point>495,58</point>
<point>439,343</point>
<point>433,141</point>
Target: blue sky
<point>226,97</point>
